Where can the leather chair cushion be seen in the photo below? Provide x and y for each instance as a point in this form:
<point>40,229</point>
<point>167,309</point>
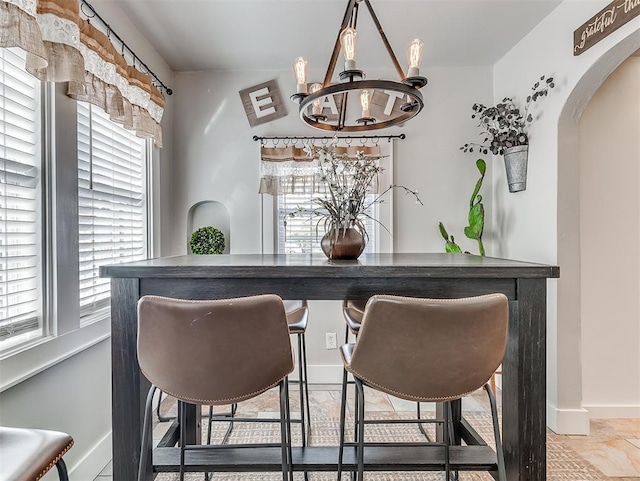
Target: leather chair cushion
<point>353,312</point>
<point>430,349</point>
<point>297,316</point>
<point>214,351</point>
<point>27,454</point>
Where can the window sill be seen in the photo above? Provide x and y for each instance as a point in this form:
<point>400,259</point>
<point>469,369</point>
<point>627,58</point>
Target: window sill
<point>35,359</point>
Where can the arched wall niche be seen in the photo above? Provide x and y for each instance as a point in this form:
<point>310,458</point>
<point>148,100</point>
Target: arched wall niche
<point>209,213</point>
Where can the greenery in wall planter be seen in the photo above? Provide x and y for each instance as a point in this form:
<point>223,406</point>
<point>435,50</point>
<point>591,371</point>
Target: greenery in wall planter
<point>207,240</point>
<point>476,217</point>
<point>504,128</point>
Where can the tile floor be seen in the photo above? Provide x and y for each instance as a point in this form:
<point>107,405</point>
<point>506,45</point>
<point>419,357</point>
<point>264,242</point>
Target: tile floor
<point>611,452</point>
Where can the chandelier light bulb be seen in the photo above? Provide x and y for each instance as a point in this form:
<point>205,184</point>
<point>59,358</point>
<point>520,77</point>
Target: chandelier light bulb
<point>300,71</point>
<point>364,102</point>
<point>349,43</point>
<point>317,109</point>
<point>414,57</point>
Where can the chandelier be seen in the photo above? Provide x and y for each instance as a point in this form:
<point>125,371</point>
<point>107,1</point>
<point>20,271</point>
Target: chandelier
<point>383,103</point>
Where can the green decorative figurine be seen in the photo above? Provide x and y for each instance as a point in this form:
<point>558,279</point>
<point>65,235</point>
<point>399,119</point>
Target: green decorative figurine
<point>476,217</point>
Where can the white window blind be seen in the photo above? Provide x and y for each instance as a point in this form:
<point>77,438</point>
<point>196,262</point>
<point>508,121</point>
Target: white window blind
<point>301,234</point>
<point>111,202</point>
<point>21,305</point>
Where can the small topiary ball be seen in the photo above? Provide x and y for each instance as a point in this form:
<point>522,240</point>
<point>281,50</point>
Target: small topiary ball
<point>207,240</point>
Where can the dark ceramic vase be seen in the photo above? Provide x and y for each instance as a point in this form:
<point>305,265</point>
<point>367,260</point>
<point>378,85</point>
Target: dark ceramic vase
<point>342,243</point>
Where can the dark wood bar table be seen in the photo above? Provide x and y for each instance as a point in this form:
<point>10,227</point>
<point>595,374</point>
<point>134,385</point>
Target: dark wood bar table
<point>315,277</point>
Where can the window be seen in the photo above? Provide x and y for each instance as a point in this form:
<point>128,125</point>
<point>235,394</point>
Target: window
<point>21,258</point>
<point>111,202</point>
<point>301,234</point>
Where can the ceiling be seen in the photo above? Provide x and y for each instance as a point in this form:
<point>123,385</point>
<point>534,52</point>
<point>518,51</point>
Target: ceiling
<point>268,34</point>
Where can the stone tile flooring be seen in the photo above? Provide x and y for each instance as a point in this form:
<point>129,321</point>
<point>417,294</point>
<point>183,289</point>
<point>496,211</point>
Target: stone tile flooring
<point>611,452</point>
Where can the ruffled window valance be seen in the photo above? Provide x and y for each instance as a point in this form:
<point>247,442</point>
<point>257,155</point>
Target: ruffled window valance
<point>61,47</point>
<point>290,169</point>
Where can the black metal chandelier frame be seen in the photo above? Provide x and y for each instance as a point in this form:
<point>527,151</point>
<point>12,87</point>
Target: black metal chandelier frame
<point>351,80</point>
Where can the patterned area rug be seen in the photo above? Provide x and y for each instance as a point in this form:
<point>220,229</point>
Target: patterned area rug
<point>562,463</point>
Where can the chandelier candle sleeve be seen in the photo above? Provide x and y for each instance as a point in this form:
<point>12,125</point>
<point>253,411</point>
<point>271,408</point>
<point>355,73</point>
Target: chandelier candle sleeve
<point>317,108</point>
<point>364,102</point>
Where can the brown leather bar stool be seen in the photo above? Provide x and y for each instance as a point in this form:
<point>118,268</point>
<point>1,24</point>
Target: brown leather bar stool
<point>426,350</point>
<point>353,311</point>
<point>28,454</point>
<point>214,353</point>
<point>297,319</point>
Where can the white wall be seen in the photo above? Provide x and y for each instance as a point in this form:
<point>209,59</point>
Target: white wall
<point>610,245</point>
<point>542,223</point>
<point>69,388</point>
<point>216,159</point>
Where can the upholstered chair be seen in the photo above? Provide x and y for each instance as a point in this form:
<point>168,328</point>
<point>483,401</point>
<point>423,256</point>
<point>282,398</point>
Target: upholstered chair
<point>28,454</point>
<point>214,352</point>
<point>426,350</point>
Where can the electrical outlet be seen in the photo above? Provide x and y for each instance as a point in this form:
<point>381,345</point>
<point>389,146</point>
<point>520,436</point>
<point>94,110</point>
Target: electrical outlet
<point>331,341</point>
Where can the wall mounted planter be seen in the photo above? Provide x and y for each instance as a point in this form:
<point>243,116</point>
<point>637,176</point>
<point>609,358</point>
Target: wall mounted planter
<point>515,163</point>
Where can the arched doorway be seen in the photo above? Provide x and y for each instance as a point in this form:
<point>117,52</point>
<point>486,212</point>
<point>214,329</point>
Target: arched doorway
<point>609,131</point>
<point>570,381</point>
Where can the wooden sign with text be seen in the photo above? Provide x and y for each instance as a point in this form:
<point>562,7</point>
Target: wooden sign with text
<point>263,103</point>
<point>606,21</point>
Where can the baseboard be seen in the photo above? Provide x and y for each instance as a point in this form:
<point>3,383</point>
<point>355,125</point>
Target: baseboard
<point>325,374</point>
<point>567,421</point>
<point>93,462</point>
<point>613,411</point>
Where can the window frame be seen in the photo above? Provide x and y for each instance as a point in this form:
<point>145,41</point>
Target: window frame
<point>34,337</point>
<point>315,229</point>
<point>67,336</point>
<point>384,241</point>
<point>105,310</point>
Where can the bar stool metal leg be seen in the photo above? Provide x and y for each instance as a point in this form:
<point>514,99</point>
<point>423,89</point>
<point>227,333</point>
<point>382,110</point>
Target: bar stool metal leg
<point>305,410</point>
<point>445,430</point>
<point>360,424</point>
<point>343,412</point>
<point>502,475</point>
<point>285,432</point>
<point>288,424</point>
<point>145,447</point>
<point>306,386</point>
<point>160,417</point>
<point>183,435</point>
<point>62,470</point>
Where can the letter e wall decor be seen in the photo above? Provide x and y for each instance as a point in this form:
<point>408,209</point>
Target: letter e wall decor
<point>263,103</point>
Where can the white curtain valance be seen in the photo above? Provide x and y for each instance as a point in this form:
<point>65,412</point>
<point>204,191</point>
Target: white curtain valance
<point>292,170</point>
<point>61,47</point>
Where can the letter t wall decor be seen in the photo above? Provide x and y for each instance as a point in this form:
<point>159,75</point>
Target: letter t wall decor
<point>263,103</point>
